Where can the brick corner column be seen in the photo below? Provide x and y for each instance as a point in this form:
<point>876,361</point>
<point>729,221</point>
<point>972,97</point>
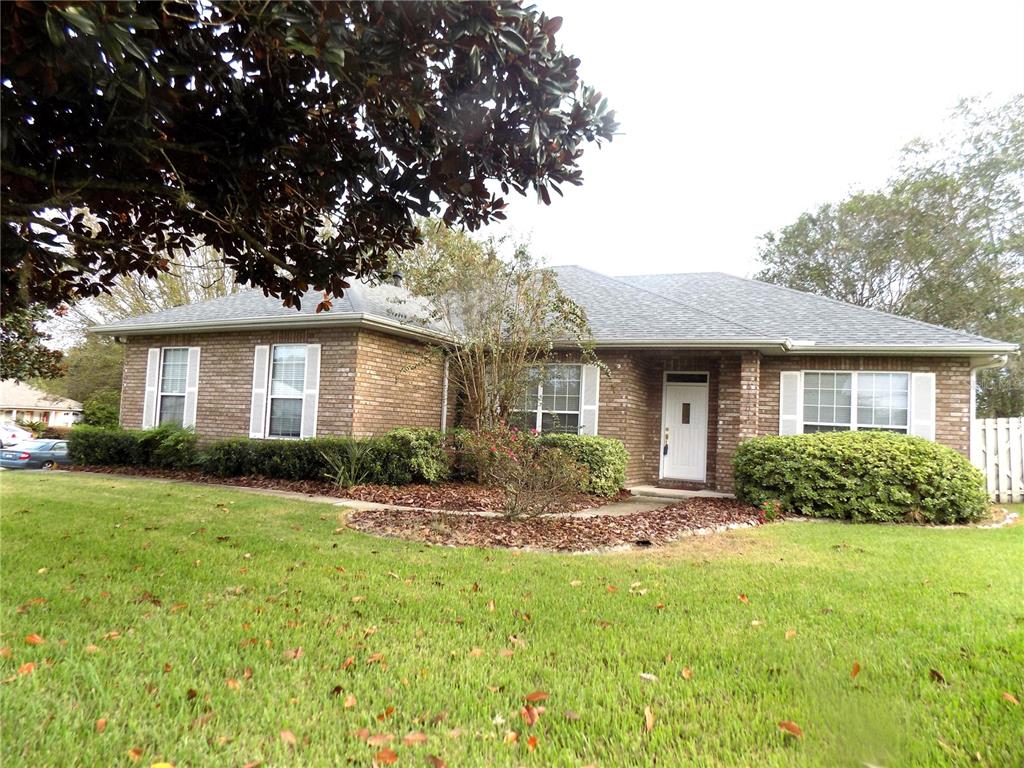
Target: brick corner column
<point>738,403</point>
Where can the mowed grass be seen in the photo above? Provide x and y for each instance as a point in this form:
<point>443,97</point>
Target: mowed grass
<point>157,594</point>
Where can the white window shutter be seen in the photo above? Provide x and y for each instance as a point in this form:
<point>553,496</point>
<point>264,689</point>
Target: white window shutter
<point>590,389</point>
<point>922,405</point>
<point>149,404</point>
<point>258,408</point>
<point>790,395</point>
<point>310,391</point>
<point>191,388</point>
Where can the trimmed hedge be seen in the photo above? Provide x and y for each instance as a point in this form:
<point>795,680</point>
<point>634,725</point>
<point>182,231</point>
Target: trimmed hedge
<point>398,457</point>
<point>163,447</point>
<point>861,476</point>
<point>604,458</point>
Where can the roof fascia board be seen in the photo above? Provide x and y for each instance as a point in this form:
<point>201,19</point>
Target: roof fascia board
<point>360,320</point>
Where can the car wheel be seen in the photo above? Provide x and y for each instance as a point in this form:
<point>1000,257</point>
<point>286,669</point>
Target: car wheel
<point>48,465</point>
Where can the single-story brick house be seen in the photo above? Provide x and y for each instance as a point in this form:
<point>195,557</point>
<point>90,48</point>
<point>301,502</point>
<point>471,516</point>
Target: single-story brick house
<point>695,363</point>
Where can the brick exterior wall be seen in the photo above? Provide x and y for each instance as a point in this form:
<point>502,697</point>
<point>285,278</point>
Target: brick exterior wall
<point>369,382</point>
<point>743,401</point>
<point>397,384</point>
<point>952,389</point>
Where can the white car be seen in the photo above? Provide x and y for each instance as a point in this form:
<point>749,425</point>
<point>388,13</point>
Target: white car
<point>11,434</point>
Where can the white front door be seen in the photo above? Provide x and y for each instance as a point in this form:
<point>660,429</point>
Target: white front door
<point>684,432</point>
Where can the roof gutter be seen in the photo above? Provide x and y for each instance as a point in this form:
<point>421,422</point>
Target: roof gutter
<point>754,343</point>
<point>360,320</point>
<point>810,348</point>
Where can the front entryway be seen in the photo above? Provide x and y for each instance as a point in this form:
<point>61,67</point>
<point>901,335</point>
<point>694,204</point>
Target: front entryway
<point>684,430</point>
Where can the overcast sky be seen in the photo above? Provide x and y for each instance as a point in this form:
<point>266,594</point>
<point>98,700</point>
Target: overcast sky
<point>737,117</point>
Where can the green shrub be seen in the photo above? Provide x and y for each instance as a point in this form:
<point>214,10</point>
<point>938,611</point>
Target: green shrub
<point>96,446</point>
<point>604,458</point>
<point>412,456</point>
<point>862,476</point>
<point>103,408</point>
<point>164,447</point>
<point>396,458</point>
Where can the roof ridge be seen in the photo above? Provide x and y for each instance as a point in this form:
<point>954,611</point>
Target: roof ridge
<point>675,301</point>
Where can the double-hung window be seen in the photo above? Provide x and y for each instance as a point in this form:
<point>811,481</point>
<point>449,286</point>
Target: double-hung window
<point>173,375</point>
<point>839,401</point>
<point>552,400</point>
<point>287,377</point>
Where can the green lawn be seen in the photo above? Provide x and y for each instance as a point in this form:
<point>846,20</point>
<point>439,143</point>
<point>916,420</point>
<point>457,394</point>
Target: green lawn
<point>156,595</point>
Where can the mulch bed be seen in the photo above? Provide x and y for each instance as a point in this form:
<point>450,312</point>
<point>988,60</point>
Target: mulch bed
<point>467,497</point>
<point>562,534</point>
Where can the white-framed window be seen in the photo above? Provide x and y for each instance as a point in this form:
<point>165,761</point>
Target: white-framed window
<point>287,377</point>
<point>173,378</point>
<point>553,400</point>
<point>836,401</point>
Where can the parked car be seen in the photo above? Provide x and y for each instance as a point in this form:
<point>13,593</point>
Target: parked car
<point>35,454</point>
<point>11,433</point>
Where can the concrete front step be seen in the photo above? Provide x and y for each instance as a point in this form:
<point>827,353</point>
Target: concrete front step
<point>675,493</point>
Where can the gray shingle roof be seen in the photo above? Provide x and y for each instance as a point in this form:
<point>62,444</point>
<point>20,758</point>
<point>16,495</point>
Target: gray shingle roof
<point>802,317</point>
<point>384,302</point>
<point>696,309</point>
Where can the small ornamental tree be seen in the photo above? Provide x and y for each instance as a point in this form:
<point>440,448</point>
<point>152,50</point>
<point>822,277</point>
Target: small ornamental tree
<point>503,316</point>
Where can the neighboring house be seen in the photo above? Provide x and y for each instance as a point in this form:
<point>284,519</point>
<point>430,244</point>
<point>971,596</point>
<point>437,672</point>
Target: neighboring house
<point>695,364</point>
<point>20,402</point>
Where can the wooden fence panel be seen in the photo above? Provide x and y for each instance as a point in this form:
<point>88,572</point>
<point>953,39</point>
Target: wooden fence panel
<point>998,451</point>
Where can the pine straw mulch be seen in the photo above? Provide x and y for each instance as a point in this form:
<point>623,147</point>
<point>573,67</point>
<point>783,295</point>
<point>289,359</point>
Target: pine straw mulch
<point>467,497</point>
<point>562,533</point>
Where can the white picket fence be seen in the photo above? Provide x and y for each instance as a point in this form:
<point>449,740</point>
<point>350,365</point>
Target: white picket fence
<point>997,449</point>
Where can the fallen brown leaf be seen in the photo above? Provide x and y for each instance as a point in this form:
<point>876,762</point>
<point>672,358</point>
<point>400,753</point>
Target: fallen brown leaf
<point>529,715</point>
<point>27,668</point>
<point>350,701</point>
<point>536,696</point>
<point>288,738</point>
<point>135,754</point>
<point>436,762</point>
<point>1011,698</point>
<point>744,598</point>
<point>687,673</point>
<point>937,676</point>
<point>380,739</point>
<point>855,671</point>
<point>648,719</point>
<point>101,725</point>
<point>293,654</point>
<point>531,743</point>
<point>791,728</point>
<point>511,737</point>
<point>415,737</point>
<point>648,677</point>
<point>790,634</point>
<point>386,756</point>
<point>34,639</point>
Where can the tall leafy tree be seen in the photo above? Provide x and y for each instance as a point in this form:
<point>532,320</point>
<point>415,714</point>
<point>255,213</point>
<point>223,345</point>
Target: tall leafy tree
<point>943,242</point>
<point>298,138</point>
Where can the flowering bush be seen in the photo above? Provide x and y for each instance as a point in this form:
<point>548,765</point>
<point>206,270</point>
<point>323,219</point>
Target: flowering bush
<point>536,479</point>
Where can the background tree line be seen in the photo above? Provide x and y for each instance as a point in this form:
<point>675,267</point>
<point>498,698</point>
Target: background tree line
<point>942,241</point>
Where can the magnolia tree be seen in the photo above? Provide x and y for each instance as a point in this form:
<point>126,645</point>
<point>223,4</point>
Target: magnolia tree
<point>504,316</point>
<point>298,138</point>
